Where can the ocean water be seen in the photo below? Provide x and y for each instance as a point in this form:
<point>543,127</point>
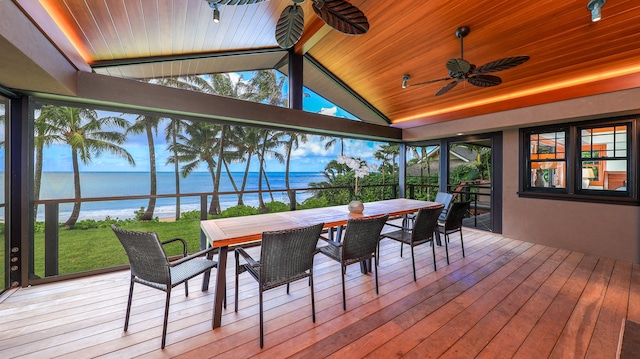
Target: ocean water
<point>59,185</point>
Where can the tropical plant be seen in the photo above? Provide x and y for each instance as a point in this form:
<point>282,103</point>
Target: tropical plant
<point>172,130</point>
<point>360,170</point>
<point>269,144</point>
<point>198,144</point>
<point>89,136</point>
<point>291,144</point>
<point>148,125</point>
<point>41,140</point>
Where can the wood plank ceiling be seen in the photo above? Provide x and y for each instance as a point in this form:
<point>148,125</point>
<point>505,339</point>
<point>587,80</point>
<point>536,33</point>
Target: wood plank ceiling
<point>570,55</point>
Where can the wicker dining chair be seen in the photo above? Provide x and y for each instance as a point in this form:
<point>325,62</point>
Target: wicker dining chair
<point>441,197</point>
<point>286,256</point>
<point>150,266</point>
<point>359,244</point>
<point>453,223</point>
<point>423,230</point>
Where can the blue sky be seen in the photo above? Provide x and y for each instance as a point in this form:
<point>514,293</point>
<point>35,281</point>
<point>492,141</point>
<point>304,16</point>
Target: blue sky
<point>311,156</point>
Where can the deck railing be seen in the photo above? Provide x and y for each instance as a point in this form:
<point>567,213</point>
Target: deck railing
<point>52,214</point>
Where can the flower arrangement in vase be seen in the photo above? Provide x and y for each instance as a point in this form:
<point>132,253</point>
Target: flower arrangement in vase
<point>360,169</point>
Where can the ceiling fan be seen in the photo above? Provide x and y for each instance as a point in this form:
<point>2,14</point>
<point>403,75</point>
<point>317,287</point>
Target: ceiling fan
<point>339,14</point>
<point>461,70</point>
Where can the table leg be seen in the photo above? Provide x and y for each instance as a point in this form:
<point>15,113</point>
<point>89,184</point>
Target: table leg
<point>221,279</point>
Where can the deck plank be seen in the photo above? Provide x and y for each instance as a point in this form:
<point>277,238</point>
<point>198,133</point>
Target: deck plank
<point>506,298</point>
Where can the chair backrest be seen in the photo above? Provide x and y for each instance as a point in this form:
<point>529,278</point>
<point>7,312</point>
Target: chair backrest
<point>147,259</point>
<point>425,224</point>
<point>446,199</point>
<point>456,214</point>
<point>362,235</point>
<point>287,254</point>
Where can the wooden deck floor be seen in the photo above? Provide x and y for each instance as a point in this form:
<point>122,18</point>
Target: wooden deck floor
<point>506,299</point>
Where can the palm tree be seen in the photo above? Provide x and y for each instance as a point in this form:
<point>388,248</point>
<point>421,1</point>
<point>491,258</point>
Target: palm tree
<point>41,139</point>
<point>148,125</point>
<point>293,143</point>
<point>174,127</point>
<point>269,143</point>
<point>332,142</point>
<point>199,144</point>
<point>247,144</point>
<point>217,84</point>
<point>85,133</point>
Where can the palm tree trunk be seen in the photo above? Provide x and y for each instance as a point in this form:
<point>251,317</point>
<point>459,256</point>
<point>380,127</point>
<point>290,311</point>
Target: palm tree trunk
<point>216,184</point>
<point>75,213</point>
<point>266,181</point>
<point>153,190</point>
<point>286,173</point>
<point>226,168</point>
<point>261,205</point>
<point>214,207</point>
<point>176,169</point>
<point>244,181</point>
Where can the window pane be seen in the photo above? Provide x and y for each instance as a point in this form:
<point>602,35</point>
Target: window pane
<point>608,175</point>
<point>604,158</point>
<point>547,165</point>
<point>549,174</point>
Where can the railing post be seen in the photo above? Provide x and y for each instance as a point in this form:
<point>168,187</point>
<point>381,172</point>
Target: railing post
<point>51,239</point>
<point>203,216</point>
<point>394,191</point>
<point>412,191</point>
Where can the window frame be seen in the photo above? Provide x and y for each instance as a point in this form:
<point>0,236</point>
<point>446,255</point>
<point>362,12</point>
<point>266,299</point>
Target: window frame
<point>573,161</point>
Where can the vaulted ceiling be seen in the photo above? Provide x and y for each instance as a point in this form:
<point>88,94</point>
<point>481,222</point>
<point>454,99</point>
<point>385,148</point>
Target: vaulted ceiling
<point>570,55</point>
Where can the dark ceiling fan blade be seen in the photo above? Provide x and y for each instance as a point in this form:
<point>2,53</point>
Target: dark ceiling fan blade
<point>290,26</point>
<point>502,64</point>
<point>341,16</point>
<point>234,2</point>
<point>447,87</point>
<point>458,67</point>
<point>485,80</point>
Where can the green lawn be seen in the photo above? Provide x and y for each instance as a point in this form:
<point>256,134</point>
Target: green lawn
<point>85,249</point>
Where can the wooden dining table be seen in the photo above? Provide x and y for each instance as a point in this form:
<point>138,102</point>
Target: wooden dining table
<point>224,232</point>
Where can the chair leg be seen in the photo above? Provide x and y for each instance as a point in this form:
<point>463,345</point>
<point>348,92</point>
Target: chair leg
<point>287,288</point>
<point>344,296</point>
<point>401,249</point>
<point>126,317</point>
<point>375,269</point>
<point>461,243</point>
<point>313,300</point>
<point>236,289</point>
<point>166,318</point>
<point>186,288</point>
<point>261,322</point>
<point>446,246</point>
<point>413,262</point>
<point>433,251</point>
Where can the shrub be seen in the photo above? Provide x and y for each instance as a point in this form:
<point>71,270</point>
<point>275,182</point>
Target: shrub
<point>313,203</point>
<point>238,211</point>
<point>195,214</point>
<point>277,207</point>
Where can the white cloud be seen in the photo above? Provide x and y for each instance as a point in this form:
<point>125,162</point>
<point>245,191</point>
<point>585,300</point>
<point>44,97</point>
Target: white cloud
<point>331,111</point>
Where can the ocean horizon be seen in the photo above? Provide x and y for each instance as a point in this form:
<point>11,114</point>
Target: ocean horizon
<point>59,185</point>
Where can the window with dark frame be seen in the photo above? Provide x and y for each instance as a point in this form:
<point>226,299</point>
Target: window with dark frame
<point>589,161</point>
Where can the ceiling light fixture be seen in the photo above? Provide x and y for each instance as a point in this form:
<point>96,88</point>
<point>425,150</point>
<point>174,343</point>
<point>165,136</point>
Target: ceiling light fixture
<point>216,12</point>
<point>595,7</point>
<point>405,78</point>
